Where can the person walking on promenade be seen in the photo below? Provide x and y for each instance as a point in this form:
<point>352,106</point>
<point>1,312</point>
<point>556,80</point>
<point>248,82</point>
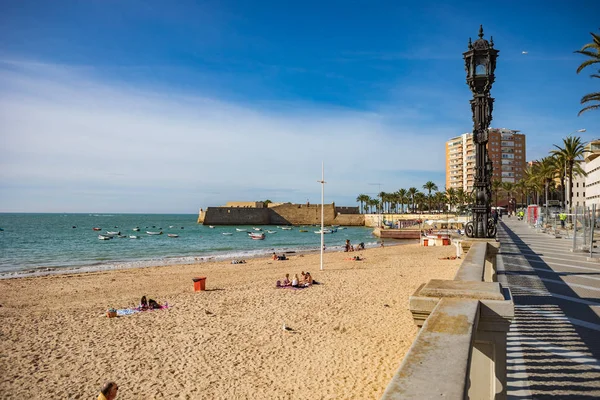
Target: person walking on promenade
<point>563,218</point>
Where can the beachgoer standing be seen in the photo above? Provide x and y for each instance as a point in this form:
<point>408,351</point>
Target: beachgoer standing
<point>108,391</point>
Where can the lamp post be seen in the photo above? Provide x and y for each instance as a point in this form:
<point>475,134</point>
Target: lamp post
<point>567,206</point>
<point>480,64</point>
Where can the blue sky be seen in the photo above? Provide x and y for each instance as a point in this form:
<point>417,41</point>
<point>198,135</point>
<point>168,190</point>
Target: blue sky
<point>153,106</point>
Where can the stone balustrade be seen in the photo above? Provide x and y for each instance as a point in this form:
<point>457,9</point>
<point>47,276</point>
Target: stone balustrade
<point>460,350</point>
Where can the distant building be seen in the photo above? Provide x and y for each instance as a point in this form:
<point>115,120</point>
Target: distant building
<point>592,168</point>
<point>506,150</point>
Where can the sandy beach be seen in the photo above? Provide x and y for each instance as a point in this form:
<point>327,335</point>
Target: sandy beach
<point>348,335</point>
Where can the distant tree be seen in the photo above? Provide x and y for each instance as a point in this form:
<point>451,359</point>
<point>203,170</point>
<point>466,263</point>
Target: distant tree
<point>429,186</point>
<point>496,185</point>
<point>267,202</point>
<point>362,199</point>
<point>450,194</point>
<point>402,198</point>
<point>592,51</point>
<point>412,192</point>
<point>567,155</point>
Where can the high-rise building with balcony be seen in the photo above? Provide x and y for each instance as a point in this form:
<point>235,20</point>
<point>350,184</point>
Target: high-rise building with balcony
<point>506,150</point>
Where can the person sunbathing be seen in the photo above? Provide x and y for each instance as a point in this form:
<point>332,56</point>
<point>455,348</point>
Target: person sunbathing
<point>274,256</point>
<point>108,391</point>
<point>308,280</point>
<point>295,281</point>
<point>281,257</point>
<point>143,303</point>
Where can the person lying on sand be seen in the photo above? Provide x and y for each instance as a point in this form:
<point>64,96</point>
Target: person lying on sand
<point>108,391</point>
<point>143,303</point>
<point>448,258</point>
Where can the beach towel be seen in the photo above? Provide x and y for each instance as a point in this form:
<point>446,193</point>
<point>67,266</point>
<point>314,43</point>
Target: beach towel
<point>130,311</point>
<point>127,311</point>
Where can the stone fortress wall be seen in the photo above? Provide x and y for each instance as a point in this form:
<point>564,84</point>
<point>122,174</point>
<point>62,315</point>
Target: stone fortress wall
<point>243,213</point>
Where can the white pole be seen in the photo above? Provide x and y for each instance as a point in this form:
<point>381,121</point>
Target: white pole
<point>322,181</point>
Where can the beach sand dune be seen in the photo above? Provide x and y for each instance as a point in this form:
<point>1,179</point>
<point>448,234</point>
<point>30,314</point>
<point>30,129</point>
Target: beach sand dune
<point>344,339</point>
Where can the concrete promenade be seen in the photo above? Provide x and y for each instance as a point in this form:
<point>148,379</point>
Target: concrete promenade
<point>554,341</point>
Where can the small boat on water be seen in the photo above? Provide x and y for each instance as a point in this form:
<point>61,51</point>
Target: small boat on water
<point>173,235</point>
<point>136,229</point>
<point>271,232</point>
<point>154,233</point>
<point>211,227</point>
<point>96,229</point>
<point>286,228</point>
<point>257,229</point>
<point>257,236</point>
<point>302,230</point>
<point>133,237</point>
<point>324,231</point>
<point>240,229</point>
<point>113,233</point>
<point>227,233</point>
<point>104,237</point>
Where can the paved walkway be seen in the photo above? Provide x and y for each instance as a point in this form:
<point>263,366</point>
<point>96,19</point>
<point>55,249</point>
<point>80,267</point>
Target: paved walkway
<point>554,341</point>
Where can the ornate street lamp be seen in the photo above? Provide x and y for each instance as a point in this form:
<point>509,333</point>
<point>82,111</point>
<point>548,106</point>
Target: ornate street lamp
<point>480,63</point>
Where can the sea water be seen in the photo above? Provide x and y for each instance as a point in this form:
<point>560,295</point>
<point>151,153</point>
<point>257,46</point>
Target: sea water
<point>42,244</point>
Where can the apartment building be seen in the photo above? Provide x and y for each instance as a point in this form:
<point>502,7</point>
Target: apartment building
<point>506,149</point>
<point>592,180</point>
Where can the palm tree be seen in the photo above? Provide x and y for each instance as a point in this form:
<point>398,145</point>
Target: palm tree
<point>420,200</point>
<point>496,184</point>
<point>451,196</point>
<point>461,196</point>
<point>402,197</point>
<point>572,151</point>
<point>521,189</point>
<point>508,188</point>
<point>546,172</point>
<point>591,50</point>
<point>412,192</point>
<point>362,199</point>
<point>429,186</point>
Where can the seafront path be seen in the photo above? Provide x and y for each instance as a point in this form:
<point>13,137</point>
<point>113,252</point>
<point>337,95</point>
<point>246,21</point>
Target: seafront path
<point>553,349</point>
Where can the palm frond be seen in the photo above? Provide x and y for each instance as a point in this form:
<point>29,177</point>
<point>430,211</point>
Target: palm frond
<point>588,108</point>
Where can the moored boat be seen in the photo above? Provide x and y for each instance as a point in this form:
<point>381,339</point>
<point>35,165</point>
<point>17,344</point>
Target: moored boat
<point>173,235</point>
<point>324,231</point>
<point>104,237</point>
<point>257,229</point>
<point>240,229</point>
<point>136,229</point>
<point>286,228</point>
<point>227,233</point>
<point>302,230</point>
<point>133,237</point>
<point>113,233</point>
<point>257,236</point>
<point>271,232</point>
<point>211,227</point>
<point>154,233</point>
<point>96,229</point>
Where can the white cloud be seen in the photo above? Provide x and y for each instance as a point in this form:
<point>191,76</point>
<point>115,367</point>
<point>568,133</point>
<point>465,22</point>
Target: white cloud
<point>73,142</point>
